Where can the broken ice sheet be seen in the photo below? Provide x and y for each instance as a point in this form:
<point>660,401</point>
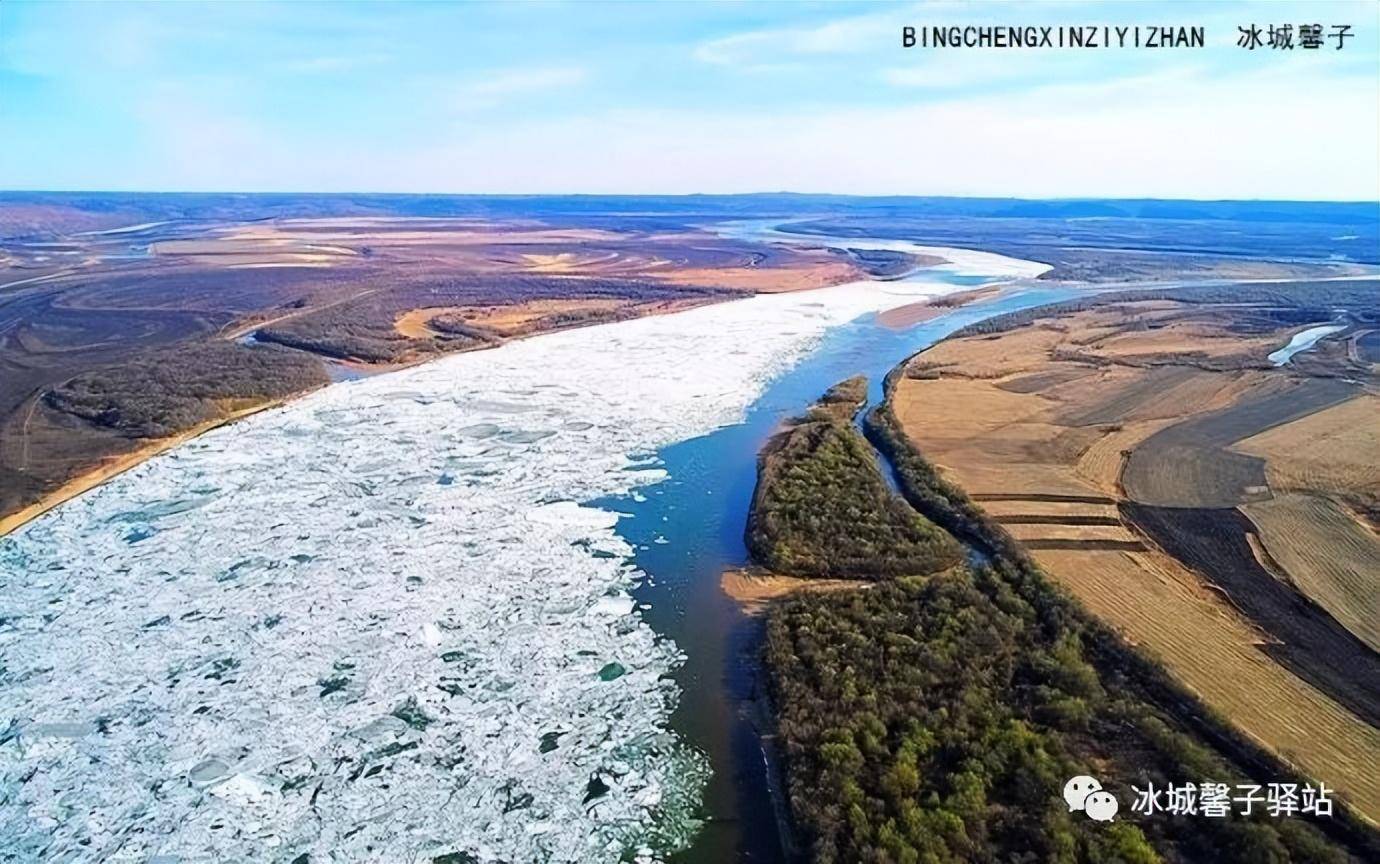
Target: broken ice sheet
<point>319,649</point>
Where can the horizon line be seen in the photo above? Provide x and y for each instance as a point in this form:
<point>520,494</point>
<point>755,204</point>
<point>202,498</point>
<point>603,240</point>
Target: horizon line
<point>759,193</point>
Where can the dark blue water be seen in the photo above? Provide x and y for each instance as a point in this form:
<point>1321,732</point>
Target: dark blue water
<point>689,530</point>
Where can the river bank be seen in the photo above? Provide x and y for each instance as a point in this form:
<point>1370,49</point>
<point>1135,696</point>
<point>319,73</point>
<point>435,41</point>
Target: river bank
<point>338,370</point>
<point>114,466</point>
<point>339,599</point>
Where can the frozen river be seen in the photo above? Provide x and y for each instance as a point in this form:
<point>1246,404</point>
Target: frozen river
<point>377,618</point>
<point>1303,341</point>
<point>378,624</point>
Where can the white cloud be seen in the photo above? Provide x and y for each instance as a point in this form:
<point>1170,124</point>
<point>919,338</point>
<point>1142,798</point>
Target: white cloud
<point>494,87</point>
<point>1305,126</point>
<point>1267,134</point>
<point>760,49</point>
<point>1190,138</point>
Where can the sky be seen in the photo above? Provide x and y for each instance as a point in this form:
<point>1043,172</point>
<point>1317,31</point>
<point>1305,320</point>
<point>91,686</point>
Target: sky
<point>678,98</point>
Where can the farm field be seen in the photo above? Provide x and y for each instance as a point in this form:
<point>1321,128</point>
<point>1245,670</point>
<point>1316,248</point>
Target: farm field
<point>891,698</point>
<point>1216,510</point>
<point>1327,554</point>
<point>1336,450</point>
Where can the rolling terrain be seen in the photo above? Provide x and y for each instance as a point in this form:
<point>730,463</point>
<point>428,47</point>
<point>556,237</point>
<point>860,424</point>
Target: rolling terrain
<point>115,341</point>
<point>1216,509</point>
<point>97,290</point>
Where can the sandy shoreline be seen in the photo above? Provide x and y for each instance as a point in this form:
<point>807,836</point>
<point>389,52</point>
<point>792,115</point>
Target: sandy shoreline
<point>116,465</point>
<point>753,589</point>
<point>955,260</point>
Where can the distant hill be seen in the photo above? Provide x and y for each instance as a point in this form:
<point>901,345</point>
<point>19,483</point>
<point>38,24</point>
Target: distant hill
<point>62,211</point>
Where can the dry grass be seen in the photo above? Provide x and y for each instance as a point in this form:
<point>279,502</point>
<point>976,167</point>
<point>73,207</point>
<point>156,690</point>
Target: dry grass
<point>755,589</point>
<point>821,273</point>
<point>1336,450</point>
<point>993,357</point>
<point>500,319</point>
<point>567,262</point>
<point>1101,464</point>
<point>683,257</point>
<point>1328,555</point>
<point>416,324</point>
<point>1069,532</point>
<point>998,509</point>
<point>1184,339</point>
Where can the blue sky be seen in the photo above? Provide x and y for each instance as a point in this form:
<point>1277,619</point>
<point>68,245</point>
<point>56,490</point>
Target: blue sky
<point>669,98</point>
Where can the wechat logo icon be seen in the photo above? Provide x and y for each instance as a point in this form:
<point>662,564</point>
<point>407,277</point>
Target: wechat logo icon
<point>1086,793</point>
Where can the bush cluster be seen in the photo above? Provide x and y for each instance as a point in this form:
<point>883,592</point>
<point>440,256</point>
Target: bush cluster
<point>936,718</point>
<point>168,390</point>
<point>822,509</point>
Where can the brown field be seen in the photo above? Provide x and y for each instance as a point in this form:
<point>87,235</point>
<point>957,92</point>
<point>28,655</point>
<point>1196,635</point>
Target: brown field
<point>1167,610</point>
<point>820,274</point>
<point>687,258</point>
<point>1263,599</point>
<point>416,324</point>
<point>1300,635</point>
<point>1327,554</point>
<point>999,509</point>
<point>1063,531</point>
<point>1336,451</point>
<point>92,324</point>
<point>1190,464</point>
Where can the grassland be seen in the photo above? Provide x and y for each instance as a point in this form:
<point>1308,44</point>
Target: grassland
<point>1214,510</point>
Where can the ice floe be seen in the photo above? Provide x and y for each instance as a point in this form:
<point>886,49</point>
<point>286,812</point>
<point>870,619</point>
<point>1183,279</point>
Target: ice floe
<point>959,262</point>
<point>973,262</point>
<point>378,623</point>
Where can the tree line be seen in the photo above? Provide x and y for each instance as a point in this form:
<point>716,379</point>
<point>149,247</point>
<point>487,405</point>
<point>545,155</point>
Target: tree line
<point>936,718</point>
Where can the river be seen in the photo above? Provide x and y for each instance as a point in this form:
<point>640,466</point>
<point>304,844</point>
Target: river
<point>688,530</point>
<point>1303,341</point>
<point>469,608</point>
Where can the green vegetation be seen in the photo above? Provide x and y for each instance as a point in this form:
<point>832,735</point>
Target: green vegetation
<point>936,719</point>
<point>930,493</point>
<point>822,509</point>
<point>166,391</point>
